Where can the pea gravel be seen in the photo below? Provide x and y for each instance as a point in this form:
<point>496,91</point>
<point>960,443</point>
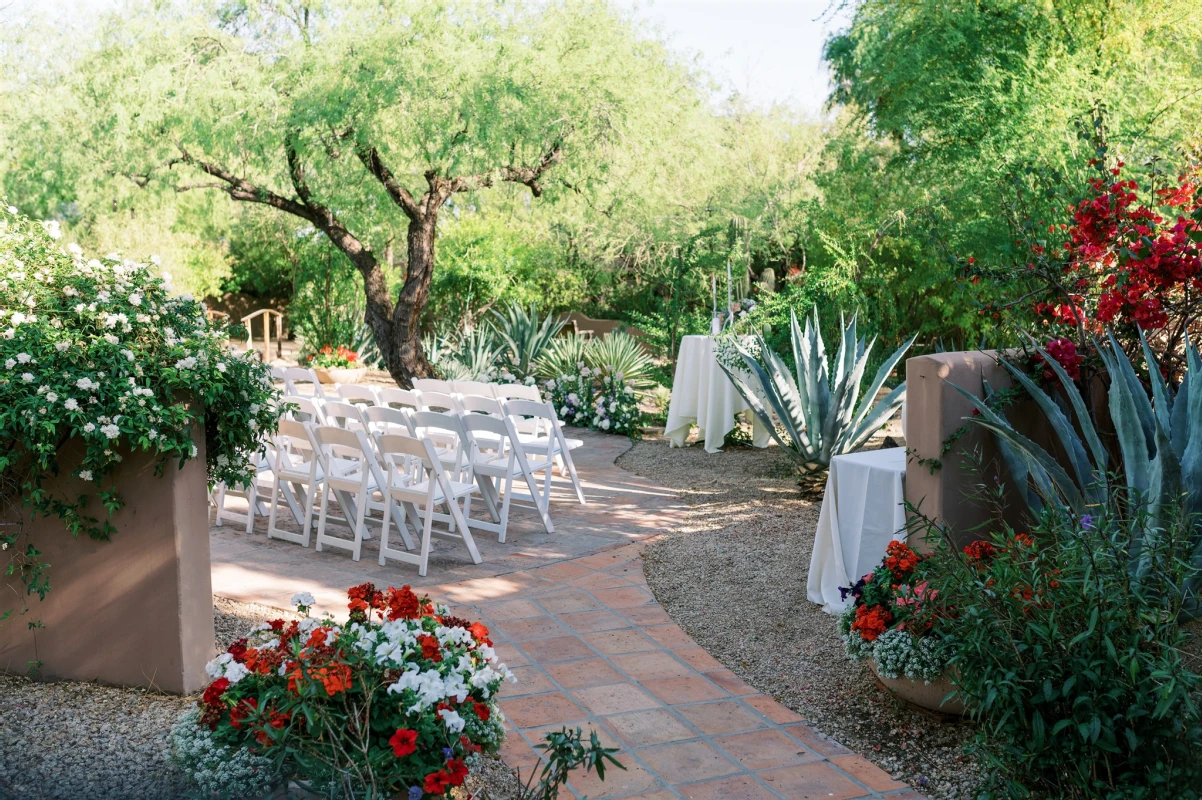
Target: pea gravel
<point>84,741</point>
<point>734,577</point>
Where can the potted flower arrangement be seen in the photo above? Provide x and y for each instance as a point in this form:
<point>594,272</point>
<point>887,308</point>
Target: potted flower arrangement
<point>339,365</point>
<point>401,697</point>
<point>893,625</point>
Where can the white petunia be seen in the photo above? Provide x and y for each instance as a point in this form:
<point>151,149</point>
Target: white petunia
<point>74,249</point>
<point>453,721</point>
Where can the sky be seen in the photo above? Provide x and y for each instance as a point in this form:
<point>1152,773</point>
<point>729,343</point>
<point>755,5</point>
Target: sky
<point>770,51</point>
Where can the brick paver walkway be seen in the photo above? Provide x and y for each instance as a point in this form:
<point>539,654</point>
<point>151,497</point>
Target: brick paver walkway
<point>572,616</point>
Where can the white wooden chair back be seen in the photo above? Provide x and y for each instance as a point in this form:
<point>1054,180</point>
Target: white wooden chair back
<point>474,404</point>
<point>398,398</point>
<point>297,377</point>
<point>538,416</point>
<point>473,387</point>
<point>432,385</point>
<point>343,415</point>
<point>445,432</point>
<point>517,391</point>
<point>358,395</point>
<point>438,401</point>
<point>307,409</point>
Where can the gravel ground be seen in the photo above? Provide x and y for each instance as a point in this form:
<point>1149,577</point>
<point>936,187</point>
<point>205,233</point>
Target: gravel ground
<point>83,741</point>
<point>733,576</point>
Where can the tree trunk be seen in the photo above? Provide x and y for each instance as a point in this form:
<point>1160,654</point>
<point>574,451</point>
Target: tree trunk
<point>401,345</point>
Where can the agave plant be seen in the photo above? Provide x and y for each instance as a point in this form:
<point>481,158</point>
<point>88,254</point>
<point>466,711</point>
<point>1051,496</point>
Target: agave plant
<point>562,357</point>
<point>820,409</point>
<point>1159,437</point>
<point>619,352</point>
<point>364,343</point>
<point>525,336</point>
<point>470,355</point>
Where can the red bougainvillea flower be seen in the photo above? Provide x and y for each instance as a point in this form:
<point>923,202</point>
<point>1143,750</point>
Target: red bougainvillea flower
<point>871,622</point>
<point>214,691</point>
<point>403,742</point>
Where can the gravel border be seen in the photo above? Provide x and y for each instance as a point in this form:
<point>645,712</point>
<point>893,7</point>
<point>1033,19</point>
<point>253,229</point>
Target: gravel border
<point>733,576</point>
<point>85,741</point>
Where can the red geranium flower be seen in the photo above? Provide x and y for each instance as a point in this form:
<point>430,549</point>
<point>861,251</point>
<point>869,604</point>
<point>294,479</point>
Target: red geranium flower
<point>431,649</point>
<point>403,742</point>
<point>403,604</point>
<point>480,633</point>
<point>481,711</point>
<point>214,691</point>
<point>871,622</point>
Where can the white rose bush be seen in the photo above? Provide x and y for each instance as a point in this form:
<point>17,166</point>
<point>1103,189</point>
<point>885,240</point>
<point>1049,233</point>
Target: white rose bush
<point>98,352</point>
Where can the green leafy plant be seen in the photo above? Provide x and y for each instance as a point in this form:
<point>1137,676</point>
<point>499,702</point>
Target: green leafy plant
<point>621,355</point>
<point>100,352</point>
<point>565,355</point>
<point>567,751</point>
<point>819,407</point>
<point>470,355</point>
<point>1073,668</point>
<point>1160,444</point>
<point>525,336</point>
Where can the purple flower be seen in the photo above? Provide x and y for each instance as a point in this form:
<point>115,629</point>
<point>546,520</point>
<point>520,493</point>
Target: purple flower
<point>1086,522</point>
<point>415,793</point>
<point>447,752</point>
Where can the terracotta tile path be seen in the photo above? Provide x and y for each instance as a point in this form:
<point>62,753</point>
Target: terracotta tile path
<point>572,616</point>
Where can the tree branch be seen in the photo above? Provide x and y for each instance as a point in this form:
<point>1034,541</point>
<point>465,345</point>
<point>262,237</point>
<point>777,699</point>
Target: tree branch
<point>380,171</point>
<point>527,176</point>
<point>241,189</point>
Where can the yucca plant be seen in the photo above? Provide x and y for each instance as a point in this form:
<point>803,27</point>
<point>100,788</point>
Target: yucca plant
<point>524,335</point>
<point>563,356</point>
<point>619,352</point>
<point>820,409</point>
<point>1159,437</point>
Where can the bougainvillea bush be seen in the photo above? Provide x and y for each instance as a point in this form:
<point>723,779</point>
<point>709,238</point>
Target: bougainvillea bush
<point>892,619</point>
<point>396,702</point>
<point>1074,665</point>
<point>100,351</point>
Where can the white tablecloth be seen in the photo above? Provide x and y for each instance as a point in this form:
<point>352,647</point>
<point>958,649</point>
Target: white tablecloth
<point>862,511</point>
<point>703,395</point>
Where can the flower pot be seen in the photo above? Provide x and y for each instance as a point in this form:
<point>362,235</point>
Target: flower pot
<point>340,374</point>
<point>927,696</point>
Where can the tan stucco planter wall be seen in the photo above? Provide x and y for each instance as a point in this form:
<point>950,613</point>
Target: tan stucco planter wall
<point>134,611</point>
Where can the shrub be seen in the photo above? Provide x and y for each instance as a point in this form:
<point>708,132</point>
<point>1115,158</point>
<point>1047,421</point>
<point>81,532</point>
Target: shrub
<point>392,703</point>
<point>1073,667</point>
<point>616,407</point>
<point>99,350</point>
<point>331,358</point>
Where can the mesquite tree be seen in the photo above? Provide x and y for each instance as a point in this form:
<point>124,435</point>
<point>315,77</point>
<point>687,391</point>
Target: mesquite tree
<point>360,118</point>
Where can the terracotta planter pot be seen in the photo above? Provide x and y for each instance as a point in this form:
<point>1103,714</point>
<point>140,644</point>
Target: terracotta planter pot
<point>927,696</point>
<point>340,374</point>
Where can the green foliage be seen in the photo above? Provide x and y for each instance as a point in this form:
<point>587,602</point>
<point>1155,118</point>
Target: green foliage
<point>621,355</point>
<point>1160,443</point>
<point>470,355</point>
<point>819,406</point>
<point>1074,669</point>
<point>564,356</point>
<point>566,751</point>
<point>525,336</point>
<point>99,351</point>
<point>327,307</point>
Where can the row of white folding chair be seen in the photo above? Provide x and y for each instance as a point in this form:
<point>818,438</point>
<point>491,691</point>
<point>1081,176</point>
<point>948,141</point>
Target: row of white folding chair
<point>501,391</point>
<point>329,459</point>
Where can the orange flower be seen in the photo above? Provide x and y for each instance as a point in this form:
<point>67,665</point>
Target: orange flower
<point>334,677</point>
<point>900,560</point>
<point>871,622</point>
<point>480,633</point>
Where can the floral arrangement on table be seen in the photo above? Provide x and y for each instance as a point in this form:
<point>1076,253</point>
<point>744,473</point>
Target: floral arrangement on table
<point>893,620</point>
<point>331,358</point>
<point>99,350</point>
<point>401,698</point>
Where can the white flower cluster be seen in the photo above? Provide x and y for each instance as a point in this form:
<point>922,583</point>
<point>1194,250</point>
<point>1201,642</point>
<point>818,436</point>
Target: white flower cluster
<point>898,654</point>
<point>218,770</point>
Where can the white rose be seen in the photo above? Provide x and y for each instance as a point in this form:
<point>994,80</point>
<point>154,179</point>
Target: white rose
<point>71,404</point>
<point>89,427</point>
<point>86,474</point>
<point>27,377</point>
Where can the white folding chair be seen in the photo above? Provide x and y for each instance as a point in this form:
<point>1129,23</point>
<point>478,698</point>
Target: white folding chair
<point>358,395</point>
<point>472,387</point>
<point>438,401</point>
<point>308,409</point>
<point>297,466</point>
<point>398,398</point>
<point>432,385</point>
<point>385,419</point>
<point>350,473</point>
<point>548,439</point>
<point>296,377</point>
<point>343,415</point>
<point>517,391</point>
<point>481,404</point>
<point>497,459</point>
<point>417,480</point>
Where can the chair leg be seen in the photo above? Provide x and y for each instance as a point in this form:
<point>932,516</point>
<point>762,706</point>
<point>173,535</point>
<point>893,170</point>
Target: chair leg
<point>542,500</point>
<point>567,459</point>
<point>252,500</point>
<point>504,522</point>
<point>275,496</point>
<point>360,524</point>
<point>426,536</point>
<point>219,502</point>
<point>321,520</point>
<point>384,528</point>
